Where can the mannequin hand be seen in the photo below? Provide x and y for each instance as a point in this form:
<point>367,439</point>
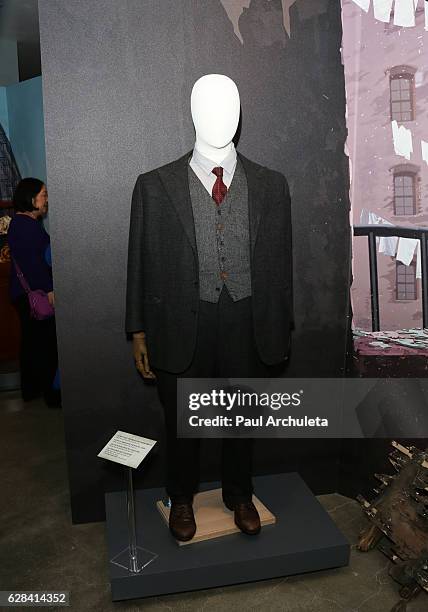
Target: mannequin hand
<point>140,355</point>
<point>51,299</point>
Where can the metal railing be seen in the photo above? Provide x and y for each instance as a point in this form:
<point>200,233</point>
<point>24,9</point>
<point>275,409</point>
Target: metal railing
<point>372,232</point>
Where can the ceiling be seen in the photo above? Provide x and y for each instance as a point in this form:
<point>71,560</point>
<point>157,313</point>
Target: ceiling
<point>19,21</point>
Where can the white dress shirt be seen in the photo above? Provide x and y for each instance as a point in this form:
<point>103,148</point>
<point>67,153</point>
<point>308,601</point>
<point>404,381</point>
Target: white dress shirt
<point>202,167</point>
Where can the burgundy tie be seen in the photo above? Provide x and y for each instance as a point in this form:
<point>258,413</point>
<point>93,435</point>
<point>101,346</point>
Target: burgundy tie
<point>219,188</point>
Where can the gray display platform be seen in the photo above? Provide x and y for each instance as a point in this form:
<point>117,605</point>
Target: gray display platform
<point>304,539</point>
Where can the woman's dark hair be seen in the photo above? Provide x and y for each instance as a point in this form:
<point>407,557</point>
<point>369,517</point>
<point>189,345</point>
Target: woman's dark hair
<point>26,190</point>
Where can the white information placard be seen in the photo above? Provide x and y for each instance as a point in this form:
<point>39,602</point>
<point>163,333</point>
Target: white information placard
<point>127,449</point>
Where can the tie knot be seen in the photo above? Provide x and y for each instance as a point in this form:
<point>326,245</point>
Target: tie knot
<point>218,171</point>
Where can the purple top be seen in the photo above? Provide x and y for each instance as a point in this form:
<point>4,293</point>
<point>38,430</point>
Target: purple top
<point>28,241</point>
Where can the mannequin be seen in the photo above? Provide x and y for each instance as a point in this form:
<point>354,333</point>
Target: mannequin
<point>209,278</point>
<point>213,95</point>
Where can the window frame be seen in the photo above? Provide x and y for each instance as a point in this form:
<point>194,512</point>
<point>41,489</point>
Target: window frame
<point>413,175</point>
<point>407,73</point>
<point>411,266</point>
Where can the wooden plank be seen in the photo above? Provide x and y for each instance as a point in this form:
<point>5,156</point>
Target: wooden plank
<point>213,519</point>
<point>405,451</point>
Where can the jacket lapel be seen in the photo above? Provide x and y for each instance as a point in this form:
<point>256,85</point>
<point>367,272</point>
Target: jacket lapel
<point>175,179</point>
<point>256,187</point>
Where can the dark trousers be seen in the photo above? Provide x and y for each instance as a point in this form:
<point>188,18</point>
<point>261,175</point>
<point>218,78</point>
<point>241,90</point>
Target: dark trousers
<point>38,354</point>
<point>225,347</point>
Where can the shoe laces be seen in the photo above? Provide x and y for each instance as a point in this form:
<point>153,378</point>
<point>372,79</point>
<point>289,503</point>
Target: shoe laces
<point>184,511</point>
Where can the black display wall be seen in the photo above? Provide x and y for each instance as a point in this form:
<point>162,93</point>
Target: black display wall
<point>117,78</point>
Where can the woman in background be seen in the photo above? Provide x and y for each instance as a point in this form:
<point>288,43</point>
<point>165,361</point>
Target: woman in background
<point>28,241</point>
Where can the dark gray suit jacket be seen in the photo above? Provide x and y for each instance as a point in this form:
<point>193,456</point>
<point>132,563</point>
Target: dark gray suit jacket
<point>162,287</point>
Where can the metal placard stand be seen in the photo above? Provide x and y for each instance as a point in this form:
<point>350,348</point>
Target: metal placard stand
<point>134,558</point>
<point>129,450</point>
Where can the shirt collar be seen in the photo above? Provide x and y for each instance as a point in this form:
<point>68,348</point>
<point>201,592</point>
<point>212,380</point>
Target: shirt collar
<point>207,165</point>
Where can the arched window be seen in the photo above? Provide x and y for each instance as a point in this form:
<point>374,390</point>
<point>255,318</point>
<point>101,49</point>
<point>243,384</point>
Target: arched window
<point>402,93</point>
<point>405,192</point>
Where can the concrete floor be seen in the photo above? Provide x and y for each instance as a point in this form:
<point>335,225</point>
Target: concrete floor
<point>41,550</point>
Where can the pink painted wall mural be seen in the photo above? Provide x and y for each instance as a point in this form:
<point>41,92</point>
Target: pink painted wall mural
<point>386,76</point>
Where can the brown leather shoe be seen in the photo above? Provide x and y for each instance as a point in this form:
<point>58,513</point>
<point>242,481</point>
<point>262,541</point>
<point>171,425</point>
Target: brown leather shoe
<point>182,521</point>
<point>247,518</point>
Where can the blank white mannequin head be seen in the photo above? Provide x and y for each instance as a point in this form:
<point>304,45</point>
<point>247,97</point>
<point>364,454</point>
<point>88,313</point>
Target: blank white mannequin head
<point>215,108</point>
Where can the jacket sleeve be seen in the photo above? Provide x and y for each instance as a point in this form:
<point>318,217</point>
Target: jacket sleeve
<point>134,289</point>
<point>289,246</point>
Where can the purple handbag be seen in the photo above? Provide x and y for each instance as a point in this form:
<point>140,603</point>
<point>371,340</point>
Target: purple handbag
<point>40,307</point>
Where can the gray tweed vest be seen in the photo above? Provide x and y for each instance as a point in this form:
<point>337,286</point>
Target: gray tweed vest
<point>222,238</point>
